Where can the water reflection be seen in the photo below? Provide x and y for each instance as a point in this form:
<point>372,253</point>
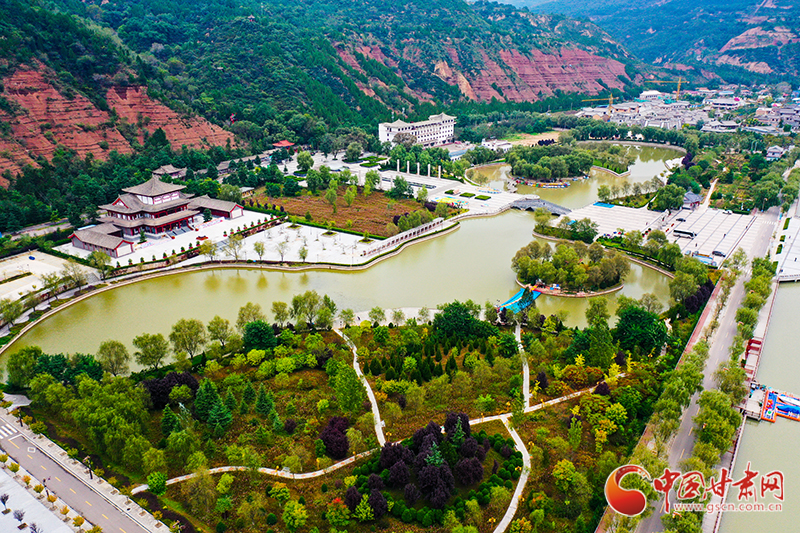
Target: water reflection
<point>471,263</point>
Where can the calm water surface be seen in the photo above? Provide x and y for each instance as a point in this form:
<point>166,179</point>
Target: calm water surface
<point>650,162</point>
<point>769,446</point>
<point>471,263</point>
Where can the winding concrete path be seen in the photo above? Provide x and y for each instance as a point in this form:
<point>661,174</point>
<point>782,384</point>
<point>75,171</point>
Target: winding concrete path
<point>268,471</point>
<point>508,517</point>
<point>516,498</point>
<point>376,414</point>
<point>526,371</point>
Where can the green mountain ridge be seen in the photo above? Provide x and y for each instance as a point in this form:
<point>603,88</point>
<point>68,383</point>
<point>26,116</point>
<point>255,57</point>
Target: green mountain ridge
<point>740,40</point>
<point>354,63</point>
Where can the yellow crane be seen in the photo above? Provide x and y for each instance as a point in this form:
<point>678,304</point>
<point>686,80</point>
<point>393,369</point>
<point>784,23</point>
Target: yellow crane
<point>679,81</point>
<point>610,100</point>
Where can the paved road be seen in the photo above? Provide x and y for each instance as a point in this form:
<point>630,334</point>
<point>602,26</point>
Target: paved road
<point>74,492</point>
<point>683,442</point>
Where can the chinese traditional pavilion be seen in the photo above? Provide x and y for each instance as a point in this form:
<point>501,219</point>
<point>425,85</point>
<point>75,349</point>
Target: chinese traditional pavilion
<point>155,208</point>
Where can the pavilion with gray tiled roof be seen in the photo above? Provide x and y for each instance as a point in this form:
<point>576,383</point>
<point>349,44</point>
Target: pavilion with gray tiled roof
<point>154,208</point>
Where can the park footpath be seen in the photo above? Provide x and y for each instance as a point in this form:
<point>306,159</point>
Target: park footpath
<point>376,414</point>
<point>504,418</point>
<point>80,476</point>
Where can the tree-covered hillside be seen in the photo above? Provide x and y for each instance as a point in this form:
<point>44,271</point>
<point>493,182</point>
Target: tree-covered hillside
<point>741,40</point>
<point>349,63</point>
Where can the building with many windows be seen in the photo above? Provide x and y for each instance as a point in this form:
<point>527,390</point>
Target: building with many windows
<point>438,129</point>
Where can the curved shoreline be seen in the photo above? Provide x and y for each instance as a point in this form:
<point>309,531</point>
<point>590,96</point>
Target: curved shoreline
<point>636,143</point>
<point>605,170</point>
<point>175,270</point>
<point>548,292</point>
<point>632,258</point>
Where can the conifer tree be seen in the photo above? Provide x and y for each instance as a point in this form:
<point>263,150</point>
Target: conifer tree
<point>277,424</point>
<point>219,419</point>
<point>205,400</point>
<point>265,405</point>
<point>458,433</point>
<point>426,370</point>
<point>249,395</point>
<point>169,422</point>
<point>230,401</point>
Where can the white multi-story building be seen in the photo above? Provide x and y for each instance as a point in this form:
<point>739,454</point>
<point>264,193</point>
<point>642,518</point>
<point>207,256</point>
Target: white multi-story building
<point>438,129</point>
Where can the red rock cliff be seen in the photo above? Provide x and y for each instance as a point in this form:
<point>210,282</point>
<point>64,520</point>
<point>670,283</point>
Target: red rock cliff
<point>44,118</point>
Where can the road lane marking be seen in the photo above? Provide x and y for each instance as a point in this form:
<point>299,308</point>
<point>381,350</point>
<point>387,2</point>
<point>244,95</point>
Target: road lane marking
<point>43,468</point>
<point>104,516</point>
<point>72,490</point>
<point>14,443</point>
<point>123,531</point>
<point>57,478</point>
<point>682,451</point>
<point>87,503</point>
<point>29,456</point>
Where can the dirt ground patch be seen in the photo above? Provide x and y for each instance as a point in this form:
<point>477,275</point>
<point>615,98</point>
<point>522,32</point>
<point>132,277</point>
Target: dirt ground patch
<point>528,139</point>
<point>369,214</point>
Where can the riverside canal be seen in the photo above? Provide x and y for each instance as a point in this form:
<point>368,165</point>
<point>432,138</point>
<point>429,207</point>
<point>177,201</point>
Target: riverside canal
<point>769,446</point>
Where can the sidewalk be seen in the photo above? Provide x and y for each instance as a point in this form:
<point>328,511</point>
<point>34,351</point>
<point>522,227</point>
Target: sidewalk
<point>80,474</point>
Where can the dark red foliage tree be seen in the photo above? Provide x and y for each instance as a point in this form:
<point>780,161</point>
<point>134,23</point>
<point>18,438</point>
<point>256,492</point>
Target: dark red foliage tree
<point>430,429</point>
<point>469,447</point>
<point>506,451</point>
<point>439,498</point>
<point>480,453</point>
<point>602,389</point>
<point>436,483</point>
<point>352,498</point>
<point>469,471</point>
<point>398,474</point>
<point>159,389</point>
<point>334,438</point>
<point>374,482</point>
<point>411,493</point>
<point>392,453</point>
<point>378,503</point>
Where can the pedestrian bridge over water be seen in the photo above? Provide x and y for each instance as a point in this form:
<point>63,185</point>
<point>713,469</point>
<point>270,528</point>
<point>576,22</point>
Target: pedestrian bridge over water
<point>534,203</point>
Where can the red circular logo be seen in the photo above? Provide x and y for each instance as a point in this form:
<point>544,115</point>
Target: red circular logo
<point>628,502</point>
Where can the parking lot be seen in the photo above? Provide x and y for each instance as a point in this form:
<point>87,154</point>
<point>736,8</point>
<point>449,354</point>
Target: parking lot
<point>711,234</point>
<point>612,218</point>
